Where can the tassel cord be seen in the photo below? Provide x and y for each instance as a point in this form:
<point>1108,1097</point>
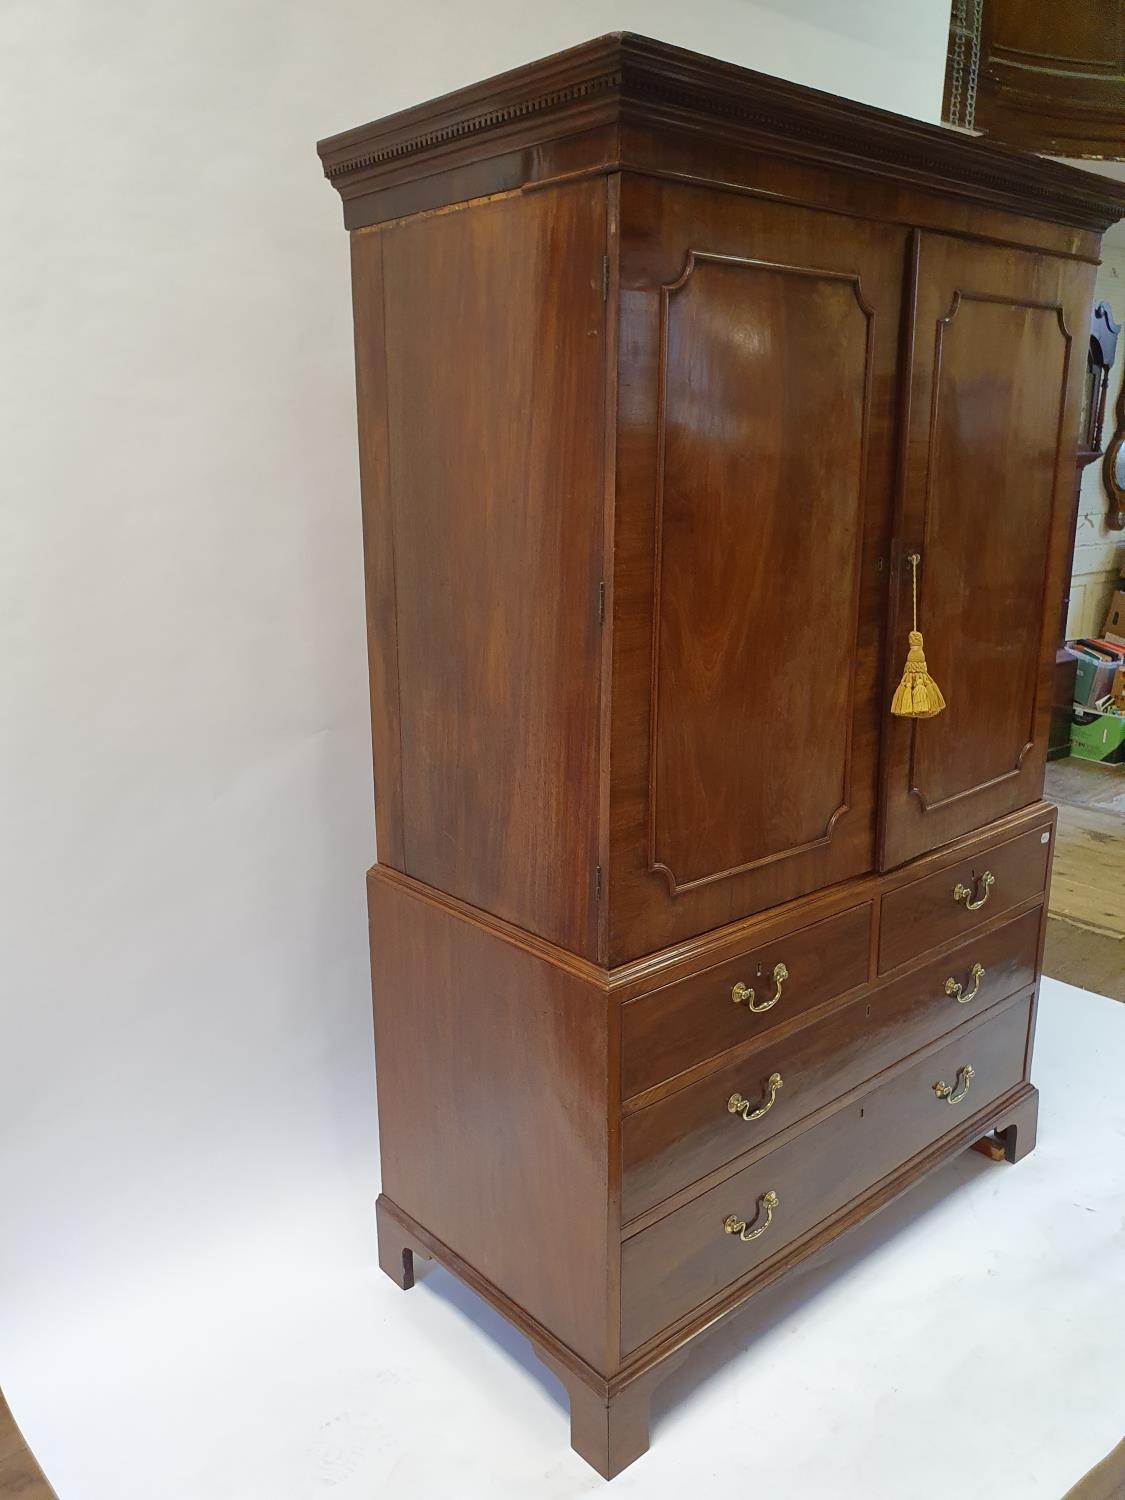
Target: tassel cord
<point>917,695</point>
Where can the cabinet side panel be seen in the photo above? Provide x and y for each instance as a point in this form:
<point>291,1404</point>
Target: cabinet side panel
<point>494,1100</point>
<point>495,344</point>
<point>378,542</point>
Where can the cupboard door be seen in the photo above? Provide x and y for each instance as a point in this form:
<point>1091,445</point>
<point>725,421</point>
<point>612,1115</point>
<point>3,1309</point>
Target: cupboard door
<point>989,471</point>
<point>756,377</point>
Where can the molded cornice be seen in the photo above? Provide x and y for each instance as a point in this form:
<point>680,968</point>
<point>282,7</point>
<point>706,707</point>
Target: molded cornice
<point>626,80</point>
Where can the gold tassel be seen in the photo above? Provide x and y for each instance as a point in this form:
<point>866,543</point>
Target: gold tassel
<point>917,695</point>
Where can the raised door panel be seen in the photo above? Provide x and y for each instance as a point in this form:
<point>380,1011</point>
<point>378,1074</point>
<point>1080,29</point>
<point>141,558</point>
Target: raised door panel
<point>748,764</point>
<point>753,507</point>
<point>989,464</point>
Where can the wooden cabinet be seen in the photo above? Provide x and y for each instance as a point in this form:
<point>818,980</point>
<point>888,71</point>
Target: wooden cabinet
<point>664,371</point>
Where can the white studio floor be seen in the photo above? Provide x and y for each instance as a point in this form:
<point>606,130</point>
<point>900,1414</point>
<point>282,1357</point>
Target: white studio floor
<point>970,1340</point>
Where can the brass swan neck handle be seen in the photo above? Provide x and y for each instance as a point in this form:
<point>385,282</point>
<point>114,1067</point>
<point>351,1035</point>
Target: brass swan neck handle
<point>964,893</point>
<point>737,1105</point>
<point>949,1091</point>
<point>958,992</point>
<point>742,993</point>
<point>734,1225</point>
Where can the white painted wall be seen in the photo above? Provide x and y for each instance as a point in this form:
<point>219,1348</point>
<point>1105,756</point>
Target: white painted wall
<point>184,764</point>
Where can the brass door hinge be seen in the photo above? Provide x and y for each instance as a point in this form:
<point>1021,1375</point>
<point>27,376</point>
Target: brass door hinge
<point>597,882</point>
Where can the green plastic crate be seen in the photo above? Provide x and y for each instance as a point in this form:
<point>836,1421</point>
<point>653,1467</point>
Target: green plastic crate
<point>1101,737</point>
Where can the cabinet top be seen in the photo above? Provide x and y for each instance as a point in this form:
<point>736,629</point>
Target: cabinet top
<point>591,107</point>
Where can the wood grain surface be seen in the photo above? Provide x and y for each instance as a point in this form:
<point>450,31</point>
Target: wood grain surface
<point>492,333</point>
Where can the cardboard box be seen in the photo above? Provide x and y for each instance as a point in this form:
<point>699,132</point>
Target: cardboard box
<point>1115,618</point>
<point>1100,737</point>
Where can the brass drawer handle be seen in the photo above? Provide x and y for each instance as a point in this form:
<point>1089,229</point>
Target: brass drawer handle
<point>946,1090</point>
<point>737,1105</point>
<point>741,993</point>
<point>952,988</point>
<point>964,893</point>
<point>734,1225</point>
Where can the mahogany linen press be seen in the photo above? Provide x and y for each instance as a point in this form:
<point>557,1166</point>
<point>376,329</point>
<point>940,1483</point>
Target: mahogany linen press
<point>688,953</point>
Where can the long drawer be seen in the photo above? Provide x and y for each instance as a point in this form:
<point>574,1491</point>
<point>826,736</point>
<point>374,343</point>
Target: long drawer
<point>690,1256</point>
<point>670,1144</point>
<point>672,1029</point>
<point>946,905</point>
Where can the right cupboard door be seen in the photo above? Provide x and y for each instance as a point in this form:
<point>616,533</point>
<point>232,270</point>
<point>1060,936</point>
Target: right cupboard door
<point>998,342</point>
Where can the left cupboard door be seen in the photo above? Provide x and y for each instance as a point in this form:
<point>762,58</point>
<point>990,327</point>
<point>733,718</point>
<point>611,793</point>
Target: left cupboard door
<point>755,468</point>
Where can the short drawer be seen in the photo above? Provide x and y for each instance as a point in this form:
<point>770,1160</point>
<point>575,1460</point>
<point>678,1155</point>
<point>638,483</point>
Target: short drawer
<point>917,1008</point>
<point>672,1029</point>
<point>689,1257</point>
<point>941,907</point>
<point>667,1146</point>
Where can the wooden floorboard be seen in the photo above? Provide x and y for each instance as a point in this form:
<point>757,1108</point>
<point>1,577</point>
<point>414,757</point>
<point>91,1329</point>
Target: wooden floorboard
<point>1106,1482</point>
<point>1084,783</point>
<point>1088,885</point>
<point>1086,930</point>
<point>20,1475</point>
<point>11,1439</point>
<point>1085,959</point>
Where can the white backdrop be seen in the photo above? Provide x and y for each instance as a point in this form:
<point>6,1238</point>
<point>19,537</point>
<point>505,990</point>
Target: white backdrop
<point>185,1046</point>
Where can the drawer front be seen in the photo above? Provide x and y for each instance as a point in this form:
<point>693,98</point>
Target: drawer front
<point>916,1009</point>
<point>671,1144</point>
<point>942,907</point>
<point>688,1257</point>
<point>672,1029</point>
